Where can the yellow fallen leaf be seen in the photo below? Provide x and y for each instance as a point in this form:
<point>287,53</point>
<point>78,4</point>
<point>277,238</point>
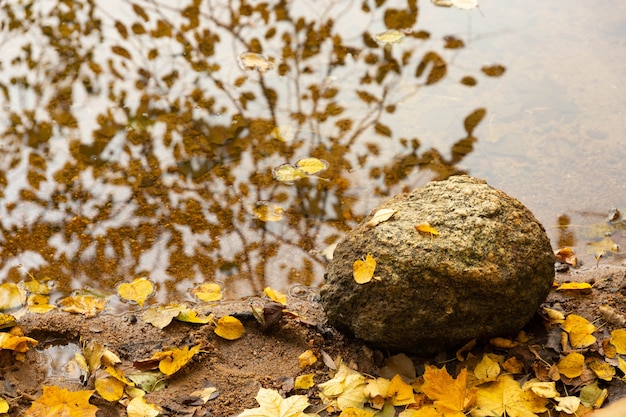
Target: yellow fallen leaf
<point>208,292</point>
<point>138,407</point>
<point>380,216</point>
<point>92,353</point>
<point>344,390</point>
<point>399,392</point>
<point>119,375</point>
<point>572,365</point>
<point>555,316</point>
<point>161,316</point>
<point>356,412</point>
<point>229,328</point>
<point>621,364</point>
<point>275,295</point>
<point>38,303</point>
<point>174,359</point>
<point>273,405</point>
<point>602,369</point>
<point>206,394</point>
<point>7,320</point>
<point>87,305</point>
<point>450,396</point>
<point>487,369</point>
<point>567,256</point>
<point>191,316</point>
<point>307,358</point>
<point>254,61</point>
<point>593,396</point>
<point>304,381</point>
<point>567,404</point>
<point>376,391</point>
<point>10,296</point>
<point>287,173</point>
<point>363,270</point>
<point>138,290</point>
<point>4,406</point>
<point>59,402</point>
<point>618,339</point>
<point>311,165</point>
<point>574,286</point>
<point>15,343</point>
<point>426,228</point>
<point>579,330</point>
<point>268,212</point>
<point>390,37</point>
<point>541,388</point>
<point>505,396</point>
<point>109,388</point>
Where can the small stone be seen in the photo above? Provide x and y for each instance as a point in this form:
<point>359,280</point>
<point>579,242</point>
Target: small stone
<point>483,275</point>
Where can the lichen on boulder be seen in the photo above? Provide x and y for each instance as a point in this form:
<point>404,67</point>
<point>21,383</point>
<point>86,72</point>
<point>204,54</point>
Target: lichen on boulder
<point>484,274</point>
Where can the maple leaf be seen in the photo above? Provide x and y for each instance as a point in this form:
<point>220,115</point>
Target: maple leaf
<point>363,270</point>
<point>138,290</point>
<point>450,396</point>
<point>505,396</point>
<point>59,402</point>
<point>10,296</point>
<point>229,328</point>
<point>345,389</point>
<point>400,392</point>
<point>208,292</point>
<point>273,405</point>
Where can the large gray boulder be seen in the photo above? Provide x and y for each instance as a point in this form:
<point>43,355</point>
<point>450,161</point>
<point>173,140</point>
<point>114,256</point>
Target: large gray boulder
<point>484,274</point>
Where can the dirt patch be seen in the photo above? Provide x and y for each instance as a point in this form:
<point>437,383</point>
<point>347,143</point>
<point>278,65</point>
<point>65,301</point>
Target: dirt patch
<point>270,360</point>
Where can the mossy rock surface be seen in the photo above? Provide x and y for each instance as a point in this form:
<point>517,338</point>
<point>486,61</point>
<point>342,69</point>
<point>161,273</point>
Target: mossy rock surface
<point>484,274</point>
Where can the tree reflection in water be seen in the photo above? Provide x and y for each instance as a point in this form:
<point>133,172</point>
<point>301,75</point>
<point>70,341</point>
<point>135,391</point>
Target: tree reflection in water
<point>134,144</point>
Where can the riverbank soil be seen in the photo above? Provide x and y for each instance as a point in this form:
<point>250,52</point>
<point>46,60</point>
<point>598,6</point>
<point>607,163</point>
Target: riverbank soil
<point>269,359</point>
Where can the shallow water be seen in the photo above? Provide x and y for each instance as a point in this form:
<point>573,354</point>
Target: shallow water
<point>136,141</point>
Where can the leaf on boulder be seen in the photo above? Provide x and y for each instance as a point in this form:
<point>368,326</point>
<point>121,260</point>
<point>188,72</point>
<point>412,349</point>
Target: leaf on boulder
<point>363,270</point>
<point>426,228</point>
<point>380,216</point>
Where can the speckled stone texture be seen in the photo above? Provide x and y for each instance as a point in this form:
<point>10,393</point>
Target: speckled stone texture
<point>484,275</point>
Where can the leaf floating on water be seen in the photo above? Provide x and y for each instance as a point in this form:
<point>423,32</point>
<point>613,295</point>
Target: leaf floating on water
<point>268,212</point>
<point>380,216</point>
<point>10,296</point>
<point>602,247</point>
<point>390,37</point>
<point>208,292</point>
<point>138,290</point>
<point>426,228</point>
<point>363,270</point>
<point>87,305</point>
<point>287,173</point>
<point>311,165</point>
<point>252,61</point>
<point>283,133</point>
<point>464,4</point>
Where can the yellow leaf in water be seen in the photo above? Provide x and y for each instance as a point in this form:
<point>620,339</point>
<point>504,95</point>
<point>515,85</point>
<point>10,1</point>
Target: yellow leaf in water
<point>254,61</point>
<point>59,402</point>
<point>275,295</point>
<point>390,37</point>
<point>618,339</point>
<point>229,328</point>
<point>16,343</point>
<point>283,133</point>
<point>36,287</point>
<point>307,358</point>
<point>7,320</point>
<point>426,228</point>
<point>208,292</point>
<point>138,290</point>
<point>268,212</point>
<point>505,396</point>
<point>38,303</point>
<point>363,270</point>
<point>138,407</point>
<point>175,359</point>
<point>572,365</point>
<point>602,247</point>
<point>109,388</point>
<point>273,405</point>
<point>87,305</point>
<point>464,4</point>
<point>380,216</point>
<point>580,331</point>
<point>10,296</point>
<point>304,381</point>
<point>311,165</point>
<point>287,173</point>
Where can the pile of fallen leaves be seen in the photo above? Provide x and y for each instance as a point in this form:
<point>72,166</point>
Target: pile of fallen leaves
<point>565,371</point>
